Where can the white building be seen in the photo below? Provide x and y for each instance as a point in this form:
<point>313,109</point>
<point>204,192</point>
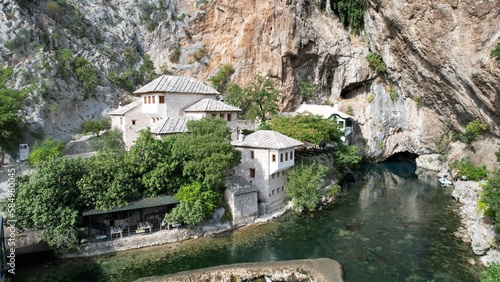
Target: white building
<point>166,104</point>
<point>266,156</point>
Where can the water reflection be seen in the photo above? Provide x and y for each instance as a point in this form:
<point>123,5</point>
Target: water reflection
<point>386,229</point>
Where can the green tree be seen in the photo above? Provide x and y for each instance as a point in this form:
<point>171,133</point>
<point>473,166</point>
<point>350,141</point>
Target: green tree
<point>10,121</point>
<point>196,203</point>
<point>306,127</point>
<point>465,167</point>
<point>351,13</point>
<point>46,151</point>
<point>496,52</point>
<point>222,77</point>
<point>49,200</point>
<point>346,158</point>
<point>491,274</point>
<point>95,126</point>
<point>108,181</point>
<point>258,100</point>
<point>491,197</point>
<point>304,185</point>
<point>110,140</point>
<point>206,152</point>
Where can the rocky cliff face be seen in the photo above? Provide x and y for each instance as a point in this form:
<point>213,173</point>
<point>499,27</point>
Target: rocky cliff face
<point>439,72</point>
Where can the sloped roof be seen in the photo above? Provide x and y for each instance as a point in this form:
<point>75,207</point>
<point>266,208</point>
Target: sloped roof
<point>171,125</point>
<point>176,84</point>
<point>267,139</point>
<point>123,110</point>
<point>322,110</point>
<point>140,204</point>
<point>211,105</point>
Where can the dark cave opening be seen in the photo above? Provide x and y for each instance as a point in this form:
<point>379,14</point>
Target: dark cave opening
<point>405,156</point>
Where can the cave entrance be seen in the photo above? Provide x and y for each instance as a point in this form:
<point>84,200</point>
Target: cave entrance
<point>405,156</point>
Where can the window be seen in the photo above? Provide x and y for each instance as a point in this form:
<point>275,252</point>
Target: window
<point>161,99</point>
<point>121,120</point>
<point>281,157</point>
<point>252,172</point>
<point>273,192</point>
<point>272,175</point>
<point>252,154</point>
<point>283,188</point>
<point>278,174</point>
<point>286,156</point>
<point>278,190</point>
<point>214,115</point>
<point>133,122</point>
<point>154,99</point>
<point>291,155</point>
<point>229,117</point>
<point>274,158</point>
<point>149,99</point>
<point>145,100</point>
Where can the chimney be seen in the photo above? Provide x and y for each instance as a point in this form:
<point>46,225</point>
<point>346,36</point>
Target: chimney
<point>119,104</point>
<point>241,137</point>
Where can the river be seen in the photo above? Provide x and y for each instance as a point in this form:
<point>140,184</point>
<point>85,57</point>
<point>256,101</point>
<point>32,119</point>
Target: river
<point>389,226</point>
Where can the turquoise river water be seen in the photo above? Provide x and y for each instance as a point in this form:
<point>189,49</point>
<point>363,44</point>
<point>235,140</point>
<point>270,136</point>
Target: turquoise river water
<point>389,226</point>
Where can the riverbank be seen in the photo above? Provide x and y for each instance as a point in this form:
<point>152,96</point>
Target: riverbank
<point>320,270</point>
<point>161,237</point>
<point>476,230</point>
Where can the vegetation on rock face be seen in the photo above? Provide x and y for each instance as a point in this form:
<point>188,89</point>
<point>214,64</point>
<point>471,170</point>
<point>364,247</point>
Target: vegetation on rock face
<point>10,103</point>
<point>376,62</point>
<point>96,126</point>
<point>351,13</point>
<point>304,185</point>
<point>465,167</point>
<point>491,274</point>
<point>222,77</point>
<point>496,52</point>
<point>307,90</point>
<point>474,129</point>
<point>346,158</point>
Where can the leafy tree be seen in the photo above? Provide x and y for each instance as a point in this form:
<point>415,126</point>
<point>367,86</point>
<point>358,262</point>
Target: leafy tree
<point>222,77</point>
<point>108,181</point>
<point>351,13</point>
<point>346,158</point>
<point>307,90</point>
<point>50,200</point>
<point>473,130</point>
<point>95,126</point>
<point>196,203</point>
<point>206,152</point>
<point>257,100</point>
<point>306,127</point>
<point>304,185</point>
<point>491,197</point>
<point>10,103</point>
<point>46,151</point>
<point>496,52</point>
<point>491,274</point>
<point>111,141</point>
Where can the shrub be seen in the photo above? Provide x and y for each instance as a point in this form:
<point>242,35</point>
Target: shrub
<point>376,62</point>
<point>465,167</point>
<point>304,185</point>
<point>491,197</point>
<point>370,97</point>
<point>175,54</point>
<point>491,274</point>
<point>418,100</point>
<point>350,111</point>
<point>45,151</point>
<point>498,155</point>
<point>473,130</point>
<point>54,9</point>
<point>19,40</point>
<point>496,52</point>
<point>393,93</point>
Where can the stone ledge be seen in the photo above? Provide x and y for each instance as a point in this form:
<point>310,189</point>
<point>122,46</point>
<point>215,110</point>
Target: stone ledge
<point>319,270</point>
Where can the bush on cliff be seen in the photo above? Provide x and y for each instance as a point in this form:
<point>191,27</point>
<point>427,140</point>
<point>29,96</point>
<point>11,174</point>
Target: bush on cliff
<point>465,167</point>
<point>491,274</point>
<point>491,197</point>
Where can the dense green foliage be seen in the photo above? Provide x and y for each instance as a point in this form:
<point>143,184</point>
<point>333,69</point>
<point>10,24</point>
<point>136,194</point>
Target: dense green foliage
<point>491,274</point>
<point>131,77</point>
<point>95,126</point>
<point>496,52</point>
<point>465,167</point>
<point>498,155</point>
<point>61,188</point>
<point>10,103</point>
<point>304,185</point>
<point>346,158</point>
<point>222,77</point>
<point>46,151</point>
<point>305,127</point>
<point>376,62</point>
<point>111,141</point>
<point>257,100</point>
<point>473,130</point>
<point>351,13</point>
<point>491,197</point>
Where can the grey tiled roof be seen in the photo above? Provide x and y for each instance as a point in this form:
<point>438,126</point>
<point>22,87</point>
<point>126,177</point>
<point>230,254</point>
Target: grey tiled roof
<point>171,125</point>
<point>267,139</point>
<point>176,84</point>
<point>139,204</point>
<point>211,105</point>
<point>323,110</point>
<point>123,110</point>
